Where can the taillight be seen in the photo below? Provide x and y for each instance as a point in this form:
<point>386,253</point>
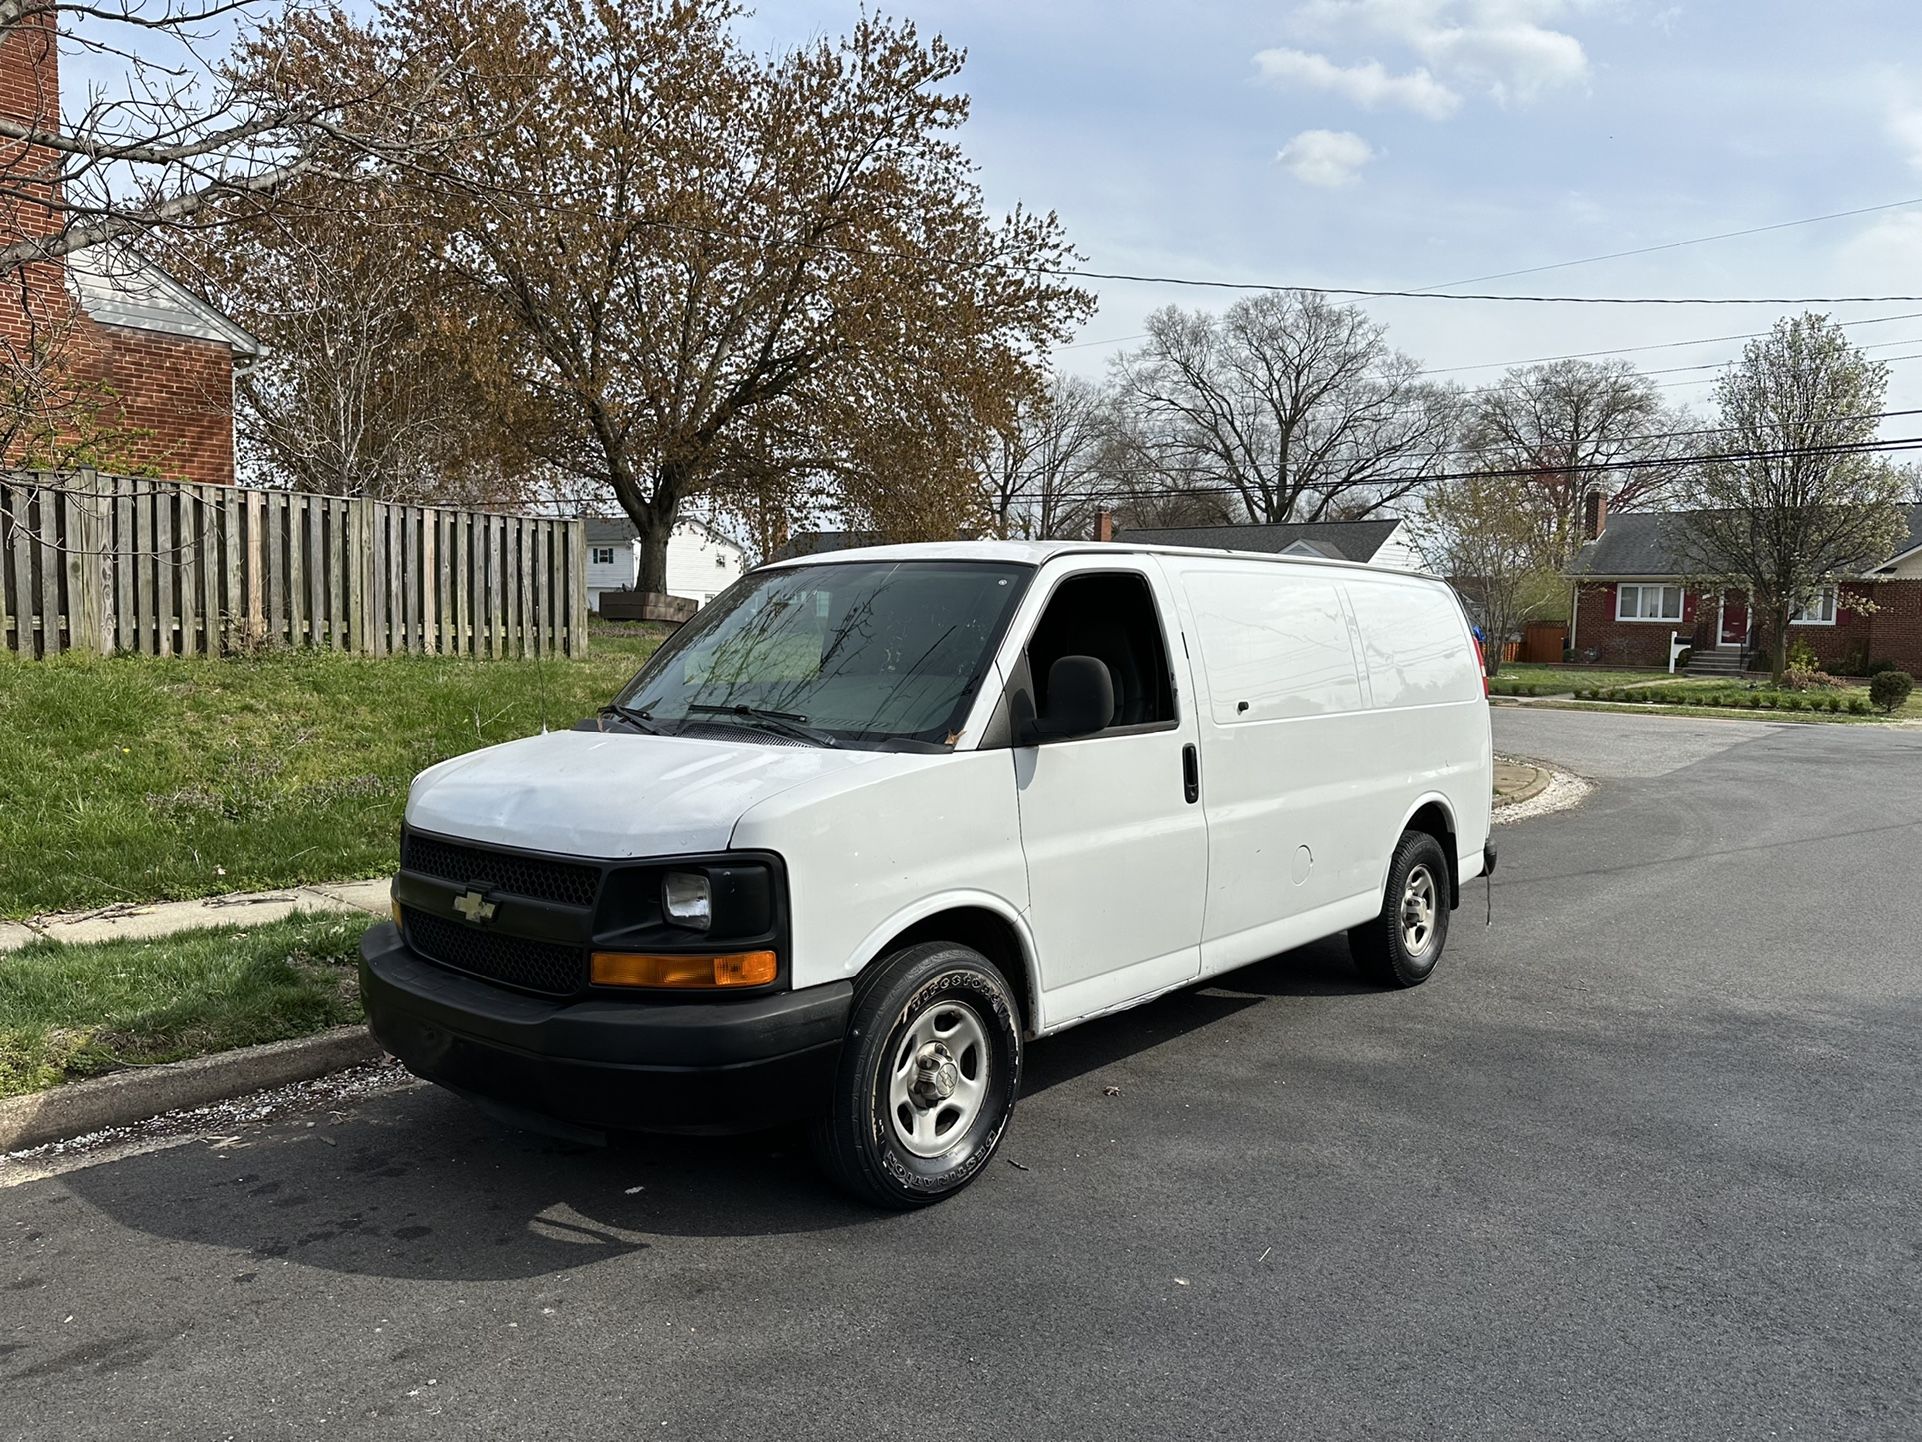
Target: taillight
<point>1481,660</point>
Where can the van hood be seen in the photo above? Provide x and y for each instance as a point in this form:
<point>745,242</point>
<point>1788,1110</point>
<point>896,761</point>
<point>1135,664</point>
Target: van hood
<point>613,795</point>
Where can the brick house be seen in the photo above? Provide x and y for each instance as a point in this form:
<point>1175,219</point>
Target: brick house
<point>1631,594</point>
<point>121,348</point>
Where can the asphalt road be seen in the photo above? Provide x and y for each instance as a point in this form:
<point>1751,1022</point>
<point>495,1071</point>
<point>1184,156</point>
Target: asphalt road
<point>1644,1159</point>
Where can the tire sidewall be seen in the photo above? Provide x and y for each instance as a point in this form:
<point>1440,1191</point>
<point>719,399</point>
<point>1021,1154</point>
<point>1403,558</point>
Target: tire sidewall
<point>1417,849</point>
<point>951,974</point>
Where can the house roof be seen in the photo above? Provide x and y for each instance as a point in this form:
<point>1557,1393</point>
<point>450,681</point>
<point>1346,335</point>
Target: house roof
<point>1336,540</point>
<point>819,543</point>
<point>619,531</point>
<point>1642,543</point>
<point>117,287</point>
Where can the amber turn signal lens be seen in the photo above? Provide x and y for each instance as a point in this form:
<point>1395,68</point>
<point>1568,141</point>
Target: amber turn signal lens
<point>630,968</point>
<point>396,907</point>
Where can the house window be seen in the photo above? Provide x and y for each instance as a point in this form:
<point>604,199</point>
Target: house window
<point>1817,610</point>
<point>1648,603</point>
<point>603,555</point>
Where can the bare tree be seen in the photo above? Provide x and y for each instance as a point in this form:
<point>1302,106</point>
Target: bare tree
<point>702,270</point>
<point>1561,419</point>
<point>1043,478</point>
<point>186,134</point>
<point>1493,540</point>
<point>1800,506</point>
<point>1291,404</point>
<point>367,383</point>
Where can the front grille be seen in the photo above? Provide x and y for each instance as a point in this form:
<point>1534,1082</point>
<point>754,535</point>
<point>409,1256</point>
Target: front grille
<point>510,960</point>
<point>559,881</point>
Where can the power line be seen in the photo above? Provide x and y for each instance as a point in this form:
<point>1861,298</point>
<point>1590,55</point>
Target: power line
<point>1679,244</point>
<point>1877,447</point>
<point>1887,360</point>
<point>1575,355</point>
<point>1364,293</point>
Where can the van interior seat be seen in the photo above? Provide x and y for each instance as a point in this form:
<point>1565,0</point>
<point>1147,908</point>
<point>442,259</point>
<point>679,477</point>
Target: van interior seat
<point>1111,617</point>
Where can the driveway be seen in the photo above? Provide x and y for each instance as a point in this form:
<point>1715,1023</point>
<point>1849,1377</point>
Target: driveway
<point>1643,1159</point>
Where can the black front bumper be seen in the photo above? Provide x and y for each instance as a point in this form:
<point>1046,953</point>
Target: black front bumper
<point>615,1065</point>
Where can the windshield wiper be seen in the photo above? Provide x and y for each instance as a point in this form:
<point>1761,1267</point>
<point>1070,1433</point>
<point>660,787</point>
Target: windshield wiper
<point>791,723</point>
<point>641,720</point>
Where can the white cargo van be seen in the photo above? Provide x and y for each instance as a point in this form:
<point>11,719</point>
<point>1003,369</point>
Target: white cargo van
<point>873,821</point>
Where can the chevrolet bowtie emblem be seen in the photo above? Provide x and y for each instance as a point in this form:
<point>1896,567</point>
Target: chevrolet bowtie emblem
<point>475,906</point>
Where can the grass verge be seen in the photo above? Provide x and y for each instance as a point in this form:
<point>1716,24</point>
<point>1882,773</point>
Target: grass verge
<point>131,778</point>
<point>72,1011</point>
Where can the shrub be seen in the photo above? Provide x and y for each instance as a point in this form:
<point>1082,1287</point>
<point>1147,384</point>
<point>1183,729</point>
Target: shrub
<point>1686,655</point>
<point>1876,668</point>
<point>1754,703</point>
<point>1797,679</point>
<point>1859,705</point>
<point>1890,690</point>
<point>1801,656</point>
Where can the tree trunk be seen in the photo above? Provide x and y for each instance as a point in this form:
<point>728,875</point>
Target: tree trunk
<point>654,524</point>
<point>1779,645</point>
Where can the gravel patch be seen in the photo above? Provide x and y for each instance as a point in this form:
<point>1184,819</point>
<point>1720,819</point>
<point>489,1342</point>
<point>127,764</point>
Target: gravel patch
<point>221,1118</point>
<point>1564,791</point>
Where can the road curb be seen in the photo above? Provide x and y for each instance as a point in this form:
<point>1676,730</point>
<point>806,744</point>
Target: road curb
<point>137,1095</point>
<point>1529,792</point>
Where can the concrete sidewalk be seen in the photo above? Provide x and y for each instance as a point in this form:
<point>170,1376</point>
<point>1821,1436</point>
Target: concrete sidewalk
<point>126,921</point>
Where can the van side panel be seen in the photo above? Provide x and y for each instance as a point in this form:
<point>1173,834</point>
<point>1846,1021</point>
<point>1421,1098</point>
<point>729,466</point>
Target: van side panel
<point>1428,716</point>
<point>920,833</point>
<point>1284,761</point>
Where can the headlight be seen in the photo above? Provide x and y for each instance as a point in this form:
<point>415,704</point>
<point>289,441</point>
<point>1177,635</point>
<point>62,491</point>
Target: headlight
<point>687,899</point>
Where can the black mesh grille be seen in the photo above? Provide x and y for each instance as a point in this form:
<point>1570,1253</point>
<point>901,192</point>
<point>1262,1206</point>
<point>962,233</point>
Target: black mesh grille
<point>560,881</point>
<point>511,960</point>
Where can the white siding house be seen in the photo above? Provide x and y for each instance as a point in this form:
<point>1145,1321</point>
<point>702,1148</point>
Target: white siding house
<point>701,562</point>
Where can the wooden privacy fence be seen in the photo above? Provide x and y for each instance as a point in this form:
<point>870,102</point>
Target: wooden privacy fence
<point>107,563</point>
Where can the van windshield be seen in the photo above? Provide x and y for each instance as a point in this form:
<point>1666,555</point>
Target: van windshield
<point>858,652</point>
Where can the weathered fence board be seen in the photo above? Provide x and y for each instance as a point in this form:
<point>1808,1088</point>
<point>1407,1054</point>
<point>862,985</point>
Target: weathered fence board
<point>105,564</point>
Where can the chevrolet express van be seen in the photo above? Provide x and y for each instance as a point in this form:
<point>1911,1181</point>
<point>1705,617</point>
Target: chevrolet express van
<point>874,821</point>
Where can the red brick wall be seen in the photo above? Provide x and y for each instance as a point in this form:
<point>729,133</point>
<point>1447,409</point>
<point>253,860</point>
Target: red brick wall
<point>1892,631</point>
<point>1599,636</point>
<point>164,403</point>
<point>1895,630</point>
<point>169,398</point>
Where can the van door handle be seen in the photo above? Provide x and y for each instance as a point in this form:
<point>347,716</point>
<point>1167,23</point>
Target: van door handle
<point>1191,772</point>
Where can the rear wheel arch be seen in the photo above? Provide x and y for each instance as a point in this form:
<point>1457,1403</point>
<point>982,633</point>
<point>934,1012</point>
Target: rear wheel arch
<point>1433,817</point>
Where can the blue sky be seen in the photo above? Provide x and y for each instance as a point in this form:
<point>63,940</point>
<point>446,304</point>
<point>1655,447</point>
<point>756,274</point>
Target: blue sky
<point>1408,143</point>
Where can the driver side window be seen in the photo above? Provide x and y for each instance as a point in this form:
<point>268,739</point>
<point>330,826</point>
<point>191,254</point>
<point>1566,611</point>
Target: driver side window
<point>1111,616</point>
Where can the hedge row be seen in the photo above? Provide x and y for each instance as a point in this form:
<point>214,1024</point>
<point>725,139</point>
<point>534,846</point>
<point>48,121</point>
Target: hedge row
<point>1739,700</point>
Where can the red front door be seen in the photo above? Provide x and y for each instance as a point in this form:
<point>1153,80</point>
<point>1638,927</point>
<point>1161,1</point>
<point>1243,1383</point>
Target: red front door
<point>1734,630</point>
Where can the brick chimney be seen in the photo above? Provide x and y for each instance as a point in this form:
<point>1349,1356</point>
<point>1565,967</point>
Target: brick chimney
<point>1594,514</point>
<point>30,96</point>
<point>1104,525</point>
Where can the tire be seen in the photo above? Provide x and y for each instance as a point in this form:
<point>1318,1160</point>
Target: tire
<point>1401,950</point>
<point>928,1077</point>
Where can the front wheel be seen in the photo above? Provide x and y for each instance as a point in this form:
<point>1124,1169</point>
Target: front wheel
<point>1401,946</point>
<point>927,1080</point>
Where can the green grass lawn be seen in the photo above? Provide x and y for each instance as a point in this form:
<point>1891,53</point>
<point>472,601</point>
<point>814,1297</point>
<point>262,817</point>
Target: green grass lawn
<point>76,1011</point>
<point>1525,679</point>
<point>136,779</point>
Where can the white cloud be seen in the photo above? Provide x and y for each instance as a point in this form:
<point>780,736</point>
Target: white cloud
<point>1326,157</point>
<point>1905,129</point>
<point>1366,84</point>
<point>1504,48</point>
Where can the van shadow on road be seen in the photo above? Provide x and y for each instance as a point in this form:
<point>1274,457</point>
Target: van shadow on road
<point>416,1184</point>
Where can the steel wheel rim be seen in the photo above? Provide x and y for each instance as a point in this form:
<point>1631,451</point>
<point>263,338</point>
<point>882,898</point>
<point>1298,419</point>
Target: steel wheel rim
<point>937,1080</point>
<point>1418,911</point>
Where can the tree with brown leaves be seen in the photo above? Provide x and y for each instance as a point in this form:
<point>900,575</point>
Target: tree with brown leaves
<point>698,270</point>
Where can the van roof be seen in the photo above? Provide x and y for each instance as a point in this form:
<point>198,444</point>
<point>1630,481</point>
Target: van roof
<point>1034,553</point>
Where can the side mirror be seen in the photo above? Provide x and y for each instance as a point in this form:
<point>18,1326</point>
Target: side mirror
<point>1080,701</point>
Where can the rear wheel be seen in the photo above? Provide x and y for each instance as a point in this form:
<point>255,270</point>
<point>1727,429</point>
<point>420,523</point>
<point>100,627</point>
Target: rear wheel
<point>928,1077</point>
<point>1401,946</point>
